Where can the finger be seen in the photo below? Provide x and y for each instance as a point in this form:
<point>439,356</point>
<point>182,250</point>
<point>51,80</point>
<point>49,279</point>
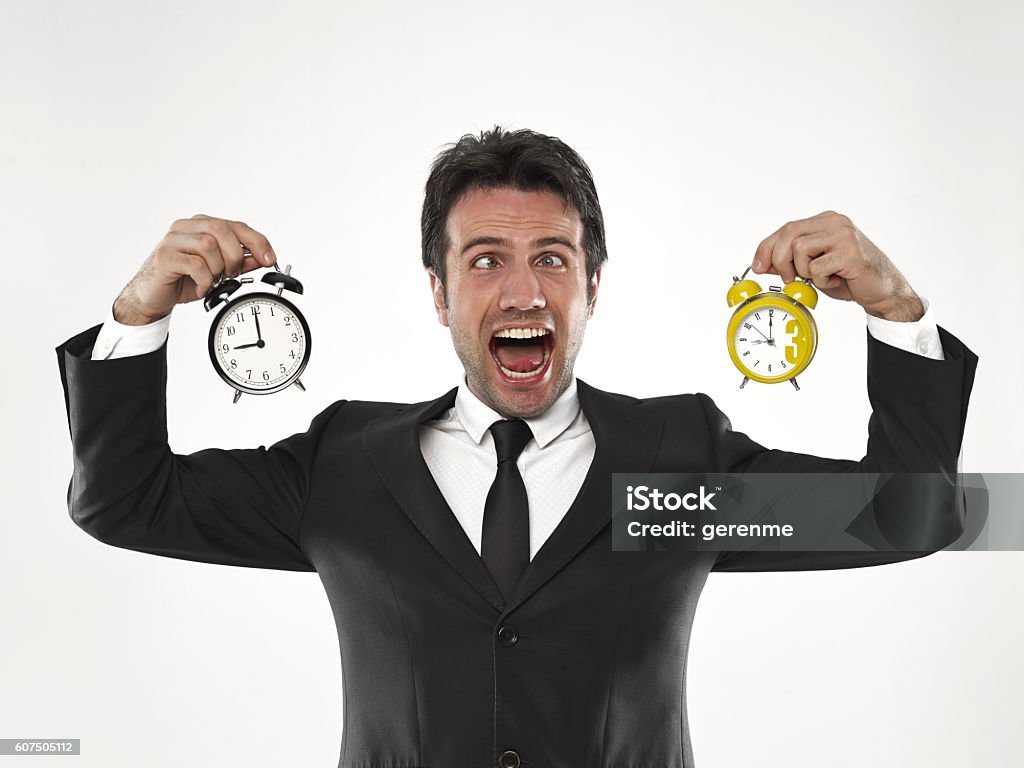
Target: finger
<point>763,255</point>
<point>256,242</point>
<point>775,254</point>
<point>196,268</point>
<point>808,247</point>
<point>782,251</point>
<point>202,244</point>
<point>228,244</point>
<point>261,253</point>
<point>822,270</point>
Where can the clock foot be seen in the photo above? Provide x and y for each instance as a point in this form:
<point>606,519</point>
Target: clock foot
<point>795,385</point>
<point>238,394</point>
<point>300,385</point>
<point>744,382</point>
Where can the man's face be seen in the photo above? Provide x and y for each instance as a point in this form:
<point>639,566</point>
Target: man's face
<point>517,302</point>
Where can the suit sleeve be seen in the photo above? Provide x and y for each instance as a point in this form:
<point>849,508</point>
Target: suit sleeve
<point>919,408</point>
<point>128,489</point>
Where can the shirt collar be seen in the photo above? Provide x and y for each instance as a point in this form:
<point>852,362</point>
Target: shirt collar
<point>476,417</point>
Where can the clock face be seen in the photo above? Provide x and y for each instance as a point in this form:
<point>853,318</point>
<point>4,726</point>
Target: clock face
<point>772,339</point>
<point>260,343</point>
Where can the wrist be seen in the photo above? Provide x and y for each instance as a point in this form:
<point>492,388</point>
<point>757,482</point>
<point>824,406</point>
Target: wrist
<point>128,311</point>
<point>905,307</point>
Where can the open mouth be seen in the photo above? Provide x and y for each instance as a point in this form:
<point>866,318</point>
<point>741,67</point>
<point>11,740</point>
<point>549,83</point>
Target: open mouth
<point>522,354</point>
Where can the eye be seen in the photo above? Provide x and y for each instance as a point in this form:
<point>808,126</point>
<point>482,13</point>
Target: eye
<point>485,262</point>
<point>551,260</point>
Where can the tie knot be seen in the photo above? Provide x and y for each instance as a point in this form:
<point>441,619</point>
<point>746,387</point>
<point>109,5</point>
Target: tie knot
<point>510,437</point>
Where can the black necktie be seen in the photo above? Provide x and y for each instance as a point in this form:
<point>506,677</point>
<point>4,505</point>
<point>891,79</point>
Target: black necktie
<point>505,545</point>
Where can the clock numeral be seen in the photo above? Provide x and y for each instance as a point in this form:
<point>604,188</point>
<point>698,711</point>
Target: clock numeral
<point>295,337</point>
<point>231,330</point>
<point>283,369</point>
<point>271,310</point>
<point>239,317</point>
<point>743,338</point>
<point>798,349</point>
<point>233,364</point>
<point>225,347</point>
<point>746,353</point>
<point>771,312</point>
<point>266,375</point>
<point>757,362</point>
<point>292,354</point>
<point>287,319</point>
<point>747,326</point>
<point>255,309</point>
<point>757,316</point>
<point>783,364</point>
<point>248,373</point>
<point>769,367</point>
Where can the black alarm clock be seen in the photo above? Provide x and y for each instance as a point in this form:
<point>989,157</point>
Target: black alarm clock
<point>259,341</point>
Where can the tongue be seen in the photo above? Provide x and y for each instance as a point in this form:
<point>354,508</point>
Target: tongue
<point>520,357</point>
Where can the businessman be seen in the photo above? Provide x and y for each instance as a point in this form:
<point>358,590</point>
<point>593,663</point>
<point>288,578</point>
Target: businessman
<point>464,542</point>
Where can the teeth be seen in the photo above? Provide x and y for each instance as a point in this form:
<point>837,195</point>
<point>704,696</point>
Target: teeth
<point>521,333</point>
<point>524,374</point>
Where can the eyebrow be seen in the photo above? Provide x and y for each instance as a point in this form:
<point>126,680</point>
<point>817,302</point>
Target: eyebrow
<point>503,243</point>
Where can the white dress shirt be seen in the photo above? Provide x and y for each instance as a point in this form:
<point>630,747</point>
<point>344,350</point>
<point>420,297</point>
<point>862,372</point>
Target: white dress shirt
<point>459,449</point>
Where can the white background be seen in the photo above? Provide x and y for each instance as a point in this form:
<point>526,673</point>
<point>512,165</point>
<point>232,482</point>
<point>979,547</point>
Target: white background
<point>706,129</point>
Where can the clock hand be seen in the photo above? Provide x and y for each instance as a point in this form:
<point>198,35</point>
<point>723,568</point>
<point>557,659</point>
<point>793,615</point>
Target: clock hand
<point>259,336</point>
<point>759,331</point>
<point>261,343</point>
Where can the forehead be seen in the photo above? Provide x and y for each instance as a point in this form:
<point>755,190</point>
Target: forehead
<point>512,214</point>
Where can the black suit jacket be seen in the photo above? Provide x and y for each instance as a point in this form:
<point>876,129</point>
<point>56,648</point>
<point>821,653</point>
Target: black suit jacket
<point>585,664</point>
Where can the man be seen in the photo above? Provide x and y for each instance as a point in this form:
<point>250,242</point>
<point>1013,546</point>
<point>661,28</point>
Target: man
<point>465,542</point>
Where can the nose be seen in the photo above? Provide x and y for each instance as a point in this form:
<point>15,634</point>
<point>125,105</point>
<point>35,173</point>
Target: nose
<point>521,289</point>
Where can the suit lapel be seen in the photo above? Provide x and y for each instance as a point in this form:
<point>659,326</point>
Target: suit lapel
<point>393,446</point>
<point>627,437</point>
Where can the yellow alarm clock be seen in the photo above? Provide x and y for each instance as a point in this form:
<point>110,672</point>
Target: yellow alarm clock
<point>771,336</point>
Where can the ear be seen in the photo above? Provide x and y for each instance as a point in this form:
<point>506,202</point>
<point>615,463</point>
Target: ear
<point>437,289</point>
<point>594,282</point>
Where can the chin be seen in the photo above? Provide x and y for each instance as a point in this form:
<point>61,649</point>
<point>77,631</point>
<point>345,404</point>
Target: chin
<point>522,408</point>
<point>519,400</point>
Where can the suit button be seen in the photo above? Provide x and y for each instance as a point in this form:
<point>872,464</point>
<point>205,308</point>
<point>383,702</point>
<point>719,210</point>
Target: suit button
<point>508,759</point>
<point>508,637</point>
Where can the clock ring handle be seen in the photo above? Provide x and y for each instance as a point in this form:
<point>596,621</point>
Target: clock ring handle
<point>744,276</point>
<point>247,254</point>
<point>283,281</point>
<point>743,289</point>
<point>222,288</point>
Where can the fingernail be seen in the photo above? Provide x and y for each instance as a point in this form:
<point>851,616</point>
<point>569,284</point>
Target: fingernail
<point>269,257</point>
<point>757,265</point>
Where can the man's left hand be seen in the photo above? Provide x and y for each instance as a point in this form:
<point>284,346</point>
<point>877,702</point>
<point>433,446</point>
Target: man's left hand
<point>841,262</point>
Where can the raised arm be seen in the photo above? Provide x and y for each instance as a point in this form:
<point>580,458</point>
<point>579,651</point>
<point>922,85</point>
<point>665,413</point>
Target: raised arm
<point>128,489</point>
<point>919,405</point>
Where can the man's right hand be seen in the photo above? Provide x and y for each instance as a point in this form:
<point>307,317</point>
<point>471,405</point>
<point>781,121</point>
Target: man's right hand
<point>185,265</point>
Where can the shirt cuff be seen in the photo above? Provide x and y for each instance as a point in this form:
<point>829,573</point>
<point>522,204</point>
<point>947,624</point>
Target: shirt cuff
<point>920,336</point>
<point>119,340</point>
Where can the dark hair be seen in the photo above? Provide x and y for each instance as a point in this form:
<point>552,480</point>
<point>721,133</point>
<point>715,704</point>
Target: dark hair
<point>521,159</point>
